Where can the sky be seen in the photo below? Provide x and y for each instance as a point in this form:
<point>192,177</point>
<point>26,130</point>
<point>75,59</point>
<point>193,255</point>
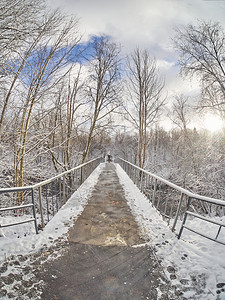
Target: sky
<point>148,24</point>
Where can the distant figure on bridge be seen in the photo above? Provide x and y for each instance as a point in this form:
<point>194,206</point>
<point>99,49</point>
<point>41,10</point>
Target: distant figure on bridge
<point>109,158</point>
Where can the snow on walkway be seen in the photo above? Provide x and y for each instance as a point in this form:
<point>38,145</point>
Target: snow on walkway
<point>195,259</point>
<point>190,261</point>
<point>57,227</point>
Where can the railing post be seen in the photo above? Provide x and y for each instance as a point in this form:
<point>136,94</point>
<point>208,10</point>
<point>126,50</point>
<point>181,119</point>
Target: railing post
<point>47,206</point>
<point>81,175</point>
<point>53,206</point>
<point>141,180</point>
<point>154,192</point>
<point>41,207</point>
<point>159,197</point>
<point>166,202</point>
<point>34,213</point>
<point>185,218</point>
<point>218,232</point>
<point>64,189</point>
<point>178,211</point>
<point>129,174</point>
<point>132,173</point>
<point>60,192</point>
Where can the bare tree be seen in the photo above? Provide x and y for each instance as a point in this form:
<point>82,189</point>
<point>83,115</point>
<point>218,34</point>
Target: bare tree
<point>68,102</point>
<point>19,20</point>
<point>181,112</point>
<point>19,64</point>
<point>185,148</point>
<point>202,52</point>
<point>145,101</point>
<point>103,87</point>
<point>50,59</point>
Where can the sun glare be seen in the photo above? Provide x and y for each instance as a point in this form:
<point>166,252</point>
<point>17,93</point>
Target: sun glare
<point>212,123</point>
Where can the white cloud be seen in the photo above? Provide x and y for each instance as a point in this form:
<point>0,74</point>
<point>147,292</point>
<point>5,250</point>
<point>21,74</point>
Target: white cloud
<point>148,24</point>
<point>144,22</point>
<point>165,65</point>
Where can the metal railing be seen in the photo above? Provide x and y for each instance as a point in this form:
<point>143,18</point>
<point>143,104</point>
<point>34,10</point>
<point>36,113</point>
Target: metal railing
<point>48,196</point>
<point>174,202</point>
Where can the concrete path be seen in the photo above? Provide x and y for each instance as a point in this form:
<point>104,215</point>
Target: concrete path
<point>100,259</point>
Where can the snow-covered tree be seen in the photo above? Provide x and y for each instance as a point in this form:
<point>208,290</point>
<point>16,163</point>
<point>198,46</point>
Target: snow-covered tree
<point>144,97</point>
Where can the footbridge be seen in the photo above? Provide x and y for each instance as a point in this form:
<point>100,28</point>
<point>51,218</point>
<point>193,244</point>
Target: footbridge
<point>108,252</point>
<point>171,201</point>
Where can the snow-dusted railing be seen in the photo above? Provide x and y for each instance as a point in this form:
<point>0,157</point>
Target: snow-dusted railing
<point>173,201</point>
<point>56,191</point>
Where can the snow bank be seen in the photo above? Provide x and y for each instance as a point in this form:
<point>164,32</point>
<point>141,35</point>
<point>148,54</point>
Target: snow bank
<point>21,239</point>
<point>196,260</point>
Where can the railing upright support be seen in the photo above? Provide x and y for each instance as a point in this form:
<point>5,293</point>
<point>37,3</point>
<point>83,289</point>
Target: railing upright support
<point>185,218</point>
<point>218,232</point>
<point>64,189</point>
<point>166,202</point>
<point>41,207</point>
<point>178,211</point>
<point>34,213</point>
<point>154,192</point>
<point>60,191</point>
<point>47,206</point>
<point>159,197</point>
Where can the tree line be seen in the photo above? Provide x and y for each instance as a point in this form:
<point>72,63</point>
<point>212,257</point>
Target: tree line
<point>62,101</point>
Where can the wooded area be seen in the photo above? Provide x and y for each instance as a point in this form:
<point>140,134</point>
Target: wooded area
<point>62,101</point>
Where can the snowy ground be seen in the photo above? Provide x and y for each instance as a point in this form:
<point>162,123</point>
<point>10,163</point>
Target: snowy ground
<point>21,239</point>
<point>196,260</point>
<point>191,261</point>
<point>21,249</point>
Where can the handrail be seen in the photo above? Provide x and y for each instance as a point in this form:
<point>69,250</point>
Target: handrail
<point>155,185</point>
<point>64,173</point>
<point>178,188</point>
<point>44,182</point>
<point>63,189</point>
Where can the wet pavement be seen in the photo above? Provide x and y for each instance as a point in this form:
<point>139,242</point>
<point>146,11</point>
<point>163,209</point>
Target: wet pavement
<point>102,259</point>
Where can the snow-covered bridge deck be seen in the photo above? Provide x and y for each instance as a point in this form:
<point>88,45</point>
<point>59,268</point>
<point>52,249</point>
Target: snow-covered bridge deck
<point>107,242</point>
<point>99,262</point>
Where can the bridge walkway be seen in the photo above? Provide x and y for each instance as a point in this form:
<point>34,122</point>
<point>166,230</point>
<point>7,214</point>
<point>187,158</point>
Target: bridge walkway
<point>102,259</point>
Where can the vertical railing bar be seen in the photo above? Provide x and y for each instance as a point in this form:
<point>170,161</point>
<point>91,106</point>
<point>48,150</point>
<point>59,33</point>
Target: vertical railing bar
<point>146,184</point>
<point>41,207</point>
<point>60,192</point>
<point>129,172</point>
<point>34,213</point>
<point>185,218</point>
<point>159,196</point>
<point>67,189</point>
<point>72,182</point>
<point>171,209</point>
<point>47,206</point>
<point>56,197</point>
<point>76,179</point>
<point>64,189</point>
<point>178,211</point>
<point>149,187</point>
<point>154,192</point>
<point>53,207</point>
<point>166,202</point>
<point>218,232</point>
<point>141,180</point>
